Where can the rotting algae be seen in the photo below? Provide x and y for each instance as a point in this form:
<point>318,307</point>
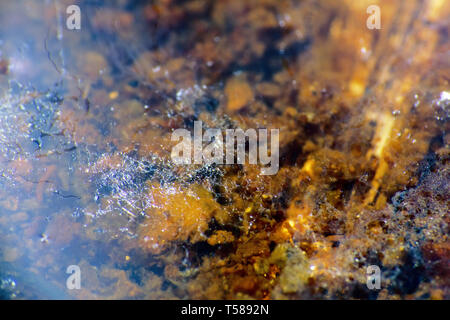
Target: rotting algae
<point>86,172</point>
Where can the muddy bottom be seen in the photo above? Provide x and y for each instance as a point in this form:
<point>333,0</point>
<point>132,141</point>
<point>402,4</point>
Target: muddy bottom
<point>336,186</point>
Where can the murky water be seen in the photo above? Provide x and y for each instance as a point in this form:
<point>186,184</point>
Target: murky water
<point>86,177</point>
<point>57,122</point>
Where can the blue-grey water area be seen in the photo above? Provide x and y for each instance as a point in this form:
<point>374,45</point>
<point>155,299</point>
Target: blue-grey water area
<point>46,192</point>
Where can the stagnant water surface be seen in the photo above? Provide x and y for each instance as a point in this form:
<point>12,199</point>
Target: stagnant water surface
<point>87,182</point>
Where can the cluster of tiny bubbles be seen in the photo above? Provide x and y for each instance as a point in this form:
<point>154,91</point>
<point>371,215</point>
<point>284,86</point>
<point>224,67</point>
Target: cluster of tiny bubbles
<point>8,288</point>
<point>28,125</point>
<point>442,103</point>
<point>122,191</point>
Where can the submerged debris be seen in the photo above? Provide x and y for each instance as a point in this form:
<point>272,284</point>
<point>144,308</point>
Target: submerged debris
<point>86,172</point>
